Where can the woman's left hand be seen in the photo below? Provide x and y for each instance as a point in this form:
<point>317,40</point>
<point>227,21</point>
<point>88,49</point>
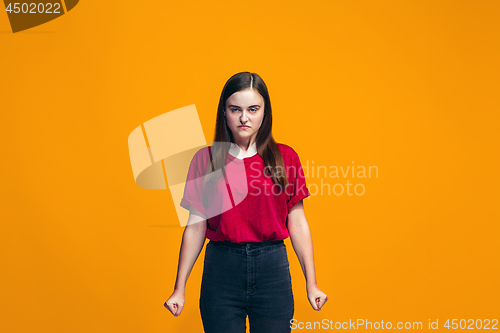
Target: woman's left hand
<point>316,297</point>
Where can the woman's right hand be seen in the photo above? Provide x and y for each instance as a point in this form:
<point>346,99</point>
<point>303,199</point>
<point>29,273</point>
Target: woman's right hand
<point>175,303</point>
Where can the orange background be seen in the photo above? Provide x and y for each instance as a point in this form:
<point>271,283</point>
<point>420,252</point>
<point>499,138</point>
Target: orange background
<point>411,87</point>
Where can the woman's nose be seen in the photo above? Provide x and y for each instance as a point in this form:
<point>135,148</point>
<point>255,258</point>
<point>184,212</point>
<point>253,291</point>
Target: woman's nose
<point>243,117</point>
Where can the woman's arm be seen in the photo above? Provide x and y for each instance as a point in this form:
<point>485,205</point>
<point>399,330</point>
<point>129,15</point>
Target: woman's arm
<point>193,240</point>
<point>300,235</point>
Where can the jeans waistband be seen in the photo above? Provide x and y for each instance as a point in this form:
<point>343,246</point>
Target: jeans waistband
<point>247,246</point>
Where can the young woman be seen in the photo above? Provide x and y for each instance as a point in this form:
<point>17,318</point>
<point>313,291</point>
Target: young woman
<point>244,194</point>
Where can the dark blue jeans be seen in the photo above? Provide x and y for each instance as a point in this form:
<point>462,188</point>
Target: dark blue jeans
<point>251,279</point>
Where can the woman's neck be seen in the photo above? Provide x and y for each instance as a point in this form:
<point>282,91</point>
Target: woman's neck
<point>237,150</point>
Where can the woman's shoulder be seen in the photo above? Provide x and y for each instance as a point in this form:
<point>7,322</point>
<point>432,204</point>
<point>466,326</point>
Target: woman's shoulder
<point>287,151</point>
<point>203,151</point>
<point>201,156</point>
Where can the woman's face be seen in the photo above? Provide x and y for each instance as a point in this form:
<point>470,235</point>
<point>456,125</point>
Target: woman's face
<point>244,114</point>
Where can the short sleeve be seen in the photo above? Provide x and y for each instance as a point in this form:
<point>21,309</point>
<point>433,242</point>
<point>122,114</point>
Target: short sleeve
<point>297,188</point>
<point>194,188</point>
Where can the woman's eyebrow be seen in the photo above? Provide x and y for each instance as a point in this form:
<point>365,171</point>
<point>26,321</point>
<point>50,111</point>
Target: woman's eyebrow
<point>251,106</point>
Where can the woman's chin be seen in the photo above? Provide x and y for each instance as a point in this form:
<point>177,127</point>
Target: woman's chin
<point>243,134</point>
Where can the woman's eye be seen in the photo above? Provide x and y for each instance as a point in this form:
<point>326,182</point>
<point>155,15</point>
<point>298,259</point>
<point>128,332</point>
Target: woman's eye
<point>253,110</point>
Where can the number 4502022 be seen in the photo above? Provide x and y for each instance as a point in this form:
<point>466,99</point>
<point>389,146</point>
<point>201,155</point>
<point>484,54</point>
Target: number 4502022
<point>34,8</point>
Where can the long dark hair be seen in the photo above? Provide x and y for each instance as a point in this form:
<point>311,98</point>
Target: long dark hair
<point>266,146</point>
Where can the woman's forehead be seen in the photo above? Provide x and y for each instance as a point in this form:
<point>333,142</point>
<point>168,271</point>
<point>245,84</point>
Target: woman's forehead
<point>245,98</point>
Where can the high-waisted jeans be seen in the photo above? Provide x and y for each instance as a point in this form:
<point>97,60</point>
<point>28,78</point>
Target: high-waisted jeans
<point>251,279</point>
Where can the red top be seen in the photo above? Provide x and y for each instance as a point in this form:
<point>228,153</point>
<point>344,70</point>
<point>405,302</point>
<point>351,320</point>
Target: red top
<point>245,206</point>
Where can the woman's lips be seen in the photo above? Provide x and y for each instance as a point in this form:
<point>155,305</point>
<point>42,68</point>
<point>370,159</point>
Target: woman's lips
<point>243,127</point>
